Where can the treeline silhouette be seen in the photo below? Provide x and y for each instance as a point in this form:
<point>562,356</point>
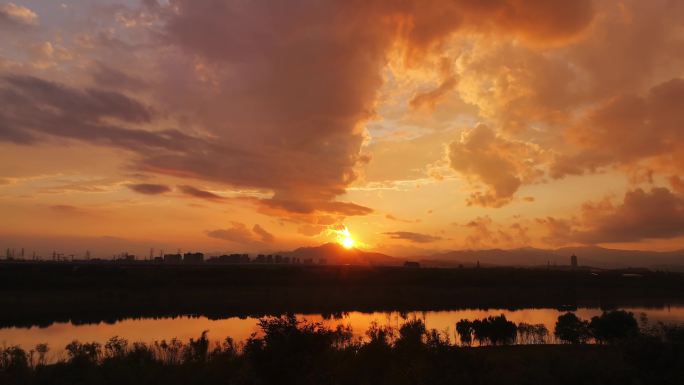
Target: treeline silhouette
<point>290,351</point>
<point>36,276</point>
<point>40,294</point>
<point>610,327</point>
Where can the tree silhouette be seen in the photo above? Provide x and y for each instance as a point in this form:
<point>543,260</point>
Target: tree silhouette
<point>571,329</point>
<point>464,328</point>
<point>613,326</point>
<point>494,330</point>
<point>532,334</point>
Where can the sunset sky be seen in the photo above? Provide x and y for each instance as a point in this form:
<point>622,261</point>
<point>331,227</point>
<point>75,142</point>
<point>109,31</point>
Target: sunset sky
<point>421,126</point>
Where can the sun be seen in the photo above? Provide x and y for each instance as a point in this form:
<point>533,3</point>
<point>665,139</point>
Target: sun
<point>348,243</point>
<point>344,238</point>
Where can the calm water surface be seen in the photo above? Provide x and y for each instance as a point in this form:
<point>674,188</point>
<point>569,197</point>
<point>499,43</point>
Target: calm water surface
<point>148,330</point>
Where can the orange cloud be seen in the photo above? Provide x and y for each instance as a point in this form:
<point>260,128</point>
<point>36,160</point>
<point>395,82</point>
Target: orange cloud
<point>197,193</point>
<point>628,129</point>
<point>281,99</point>
<point>264,235</point>
<point>12,13</point>
<point>501,164</point>
<point>642,215</point>
<point>240,234</point>
<point>149,189</point>
<point>237,233</point>
<point>655,214</point>
<point>677,183</point>
<point>279,109</point>
<point>412,237</point>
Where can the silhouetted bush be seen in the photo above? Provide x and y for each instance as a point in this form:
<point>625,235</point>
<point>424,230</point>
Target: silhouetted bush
<point>464,328</point>
<point>196,350</point>
<point>42,350</point>
<point>116,347</point>
<point>84,353</point>
<point>411,335</point>
<point>13,358</point>
<point>613,326</point>
<point>532,334</point>
<point>674,334</point>
<point>571,329</point>
<point>290,347</point>
<point>494,330</point>
<point>435,340</point>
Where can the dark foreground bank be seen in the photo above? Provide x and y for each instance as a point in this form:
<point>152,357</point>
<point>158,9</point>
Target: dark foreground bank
<point>42,293</point>
<point>292,352</point>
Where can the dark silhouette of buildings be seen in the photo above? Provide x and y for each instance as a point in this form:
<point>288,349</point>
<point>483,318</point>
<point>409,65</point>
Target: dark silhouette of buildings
<point>232,258</point>
<point>193,258</point>
<point>573,261</point>
<point>173,258</point>
<point>411,264</point>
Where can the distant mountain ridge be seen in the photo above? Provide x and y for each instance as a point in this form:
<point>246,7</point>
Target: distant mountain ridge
<point>594,256</point>
<point>588,256</point>
<point>335,254</point>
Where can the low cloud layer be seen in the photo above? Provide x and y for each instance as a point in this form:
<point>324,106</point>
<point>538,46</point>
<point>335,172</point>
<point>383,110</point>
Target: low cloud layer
<point>240,234</point>
<point>198,193</point>
<point>641,215</point>
<point>263,235</point>
<point>412,237</point>
<point>149,189</point>
<point>655,214</point>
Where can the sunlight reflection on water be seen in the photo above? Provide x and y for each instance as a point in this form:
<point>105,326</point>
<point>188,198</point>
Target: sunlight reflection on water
<point>148,330</point>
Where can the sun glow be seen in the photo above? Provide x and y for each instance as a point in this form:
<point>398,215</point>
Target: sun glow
<point>344,238</point>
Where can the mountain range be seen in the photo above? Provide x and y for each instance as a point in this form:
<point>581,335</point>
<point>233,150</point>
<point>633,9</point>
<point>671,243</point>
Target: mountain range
<point>335,254</point>
<point>593,256</point>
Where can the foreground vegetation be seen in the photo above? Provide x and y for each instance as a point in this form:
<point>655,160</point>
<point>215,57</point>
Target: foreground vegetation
<point>289,351</point>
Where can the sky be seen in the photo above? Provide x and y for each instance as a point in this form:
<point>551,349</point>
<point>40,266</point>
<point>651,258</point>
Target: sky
<point>263,125</point>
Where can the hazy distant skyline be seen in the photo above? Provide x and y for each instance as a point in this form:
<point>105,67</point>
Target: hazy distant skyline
<point>268,125</point>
